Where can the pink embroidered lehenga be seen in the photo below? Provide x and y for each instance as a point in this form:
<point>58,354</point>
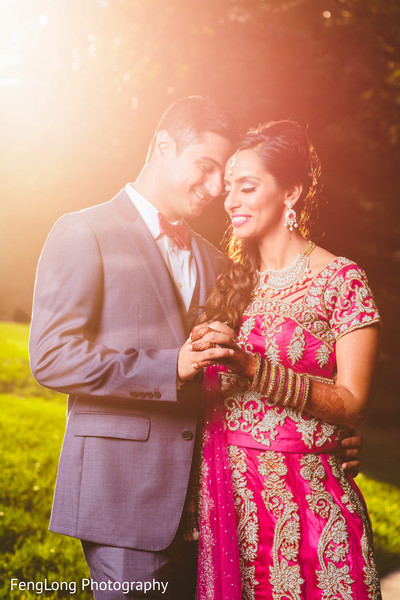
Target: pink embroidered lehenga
<point>280,520</point>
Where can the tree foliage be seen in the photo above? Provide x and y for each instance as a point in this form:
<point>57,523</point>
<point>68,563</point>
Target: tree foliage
<point>94,77</point>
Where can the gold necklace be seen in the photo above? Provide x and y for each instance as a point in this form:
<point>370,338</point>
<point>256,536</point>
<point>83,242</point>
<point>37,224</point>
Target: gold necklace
<point>287,279</point>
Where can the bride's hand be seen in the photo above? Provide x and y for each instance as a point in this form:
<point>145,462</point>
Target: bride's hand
<point>217,334</point>
<point>198,351</point>
<point>198,332</point>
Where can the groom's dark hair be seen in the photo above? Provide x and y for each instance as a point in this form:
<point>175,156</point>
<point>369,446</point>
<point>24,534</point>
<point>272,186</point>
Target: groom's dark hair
<point>188,118</point>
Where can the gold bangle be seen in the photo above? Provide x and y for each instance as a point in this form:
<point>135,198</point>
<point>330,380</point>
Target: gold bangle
<point>264,375</point>
<point>281,385</point>
<point>290,388</point>
<point>306,392</point>
<point>256,375</point>
<point>273,373</point>
<point>297,391</point>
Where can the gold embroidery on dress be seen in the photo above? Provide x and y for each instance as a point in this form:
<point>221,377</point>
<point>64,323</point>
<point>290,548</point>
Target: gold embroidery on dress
<point>308,318</point>
<point>270,327</point>
<point>323,355</point>
<point>244,332</point>
<point>330,291</point>
<point>249,412</point>
<point>250,417</point>
<point>315,296</point>
<point>297,344</point>
<point>354,504</point>
<point>284,577</point>
<point>206,581</point>
<point>271,350</point>
<point>314,431</point>
<point>333,547</point>
<point>247,527</point>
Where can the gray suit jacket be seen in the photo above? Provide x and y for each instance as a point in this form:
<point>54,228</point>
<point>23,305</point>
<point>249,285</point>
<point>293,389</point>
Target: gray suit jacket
<point>106,329</point>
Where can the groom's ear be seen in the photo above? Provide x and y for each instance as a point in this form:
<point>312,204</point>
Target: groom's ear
<point>164,144</point>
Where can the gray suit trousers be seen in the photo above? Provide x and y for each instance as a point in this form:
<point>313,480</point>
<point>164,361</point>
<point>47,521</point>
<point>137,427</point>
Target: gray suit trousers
<point>120,573</point>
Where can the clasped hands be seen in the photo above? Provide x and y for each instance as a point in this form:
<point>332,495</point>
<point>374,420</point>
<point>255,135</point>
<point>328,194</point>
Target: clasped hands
<point>213,343</point>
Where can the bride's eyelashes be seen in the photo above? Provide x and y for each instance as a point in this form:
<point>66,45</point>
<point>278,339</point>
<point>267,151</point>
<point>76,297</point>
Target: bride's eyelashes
<point>245,190</point>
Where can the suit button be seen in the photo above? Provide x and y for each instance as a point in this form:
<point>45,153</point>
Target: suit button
<point>187,434</point>
<point>133,394</point>
<point>157,395</point>
<point>140,395</point>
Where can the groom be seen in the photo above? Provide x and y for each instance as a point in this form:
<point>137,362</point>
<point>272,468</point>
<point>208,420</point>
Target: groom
<point>112,309</point>
<point>114,297</point>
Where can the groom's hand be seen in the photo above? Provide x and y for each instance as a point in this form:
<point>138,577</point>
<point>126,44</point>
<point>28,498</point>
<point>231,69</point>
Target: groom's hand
<point>349,452</point>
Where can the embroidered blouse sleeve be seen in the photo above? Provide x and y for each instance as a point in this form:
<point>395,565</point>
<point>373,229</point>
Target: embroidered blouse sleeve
<point>349,301</point>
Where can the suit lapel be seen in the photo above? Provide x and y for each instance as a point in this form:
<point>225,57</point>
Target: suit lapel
<point>153,263</point>
<point>205,269</point>
<point>206,273</point>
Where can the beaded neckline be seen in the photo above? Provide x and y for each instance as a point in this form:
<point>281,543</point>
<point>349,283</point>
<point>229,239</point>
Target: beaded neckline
<point>288,279</point>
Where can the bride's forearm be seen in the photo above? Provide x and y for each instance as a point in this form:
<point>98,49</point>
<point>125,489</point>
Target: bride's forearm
<point>300,392</point>
<point>334,403</point>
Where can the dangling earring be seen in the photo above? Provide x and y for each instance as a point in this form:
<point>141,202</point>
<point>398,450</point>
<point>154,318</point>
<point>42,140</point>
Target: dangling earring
<point>290,217</point>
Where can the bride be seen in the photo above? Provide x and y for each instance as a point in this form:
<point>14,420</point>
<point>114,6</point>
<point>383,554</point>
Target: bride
<point>280,519</point>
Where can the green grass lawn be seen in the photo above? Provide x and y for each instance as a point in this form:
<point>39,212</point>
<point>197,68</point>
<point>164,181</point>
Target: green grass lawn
<point>31,430</point>
<point>15,374</point>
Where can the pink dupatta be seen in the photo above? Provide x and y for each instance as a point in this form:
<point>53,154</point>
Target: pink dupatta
<point>219,572</point>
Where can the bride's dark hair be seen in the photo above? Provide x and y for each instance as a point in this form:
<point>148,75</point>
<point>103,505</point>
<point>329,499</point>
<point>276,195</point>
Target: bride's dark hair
<point>286,152</point>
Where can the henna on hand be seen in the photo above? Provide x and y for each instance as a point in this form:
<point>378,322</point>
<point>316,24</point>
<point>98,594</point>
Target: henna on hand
<point>242,363</point>
<point>200,346</point>
<point>202,364</point>
<point>197,333</point>
<point>200,331</point>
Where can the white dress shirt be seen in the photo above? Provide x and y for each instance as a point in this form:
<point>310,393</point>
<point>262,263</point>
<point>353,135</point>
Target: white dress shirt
<point>180,263</point>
